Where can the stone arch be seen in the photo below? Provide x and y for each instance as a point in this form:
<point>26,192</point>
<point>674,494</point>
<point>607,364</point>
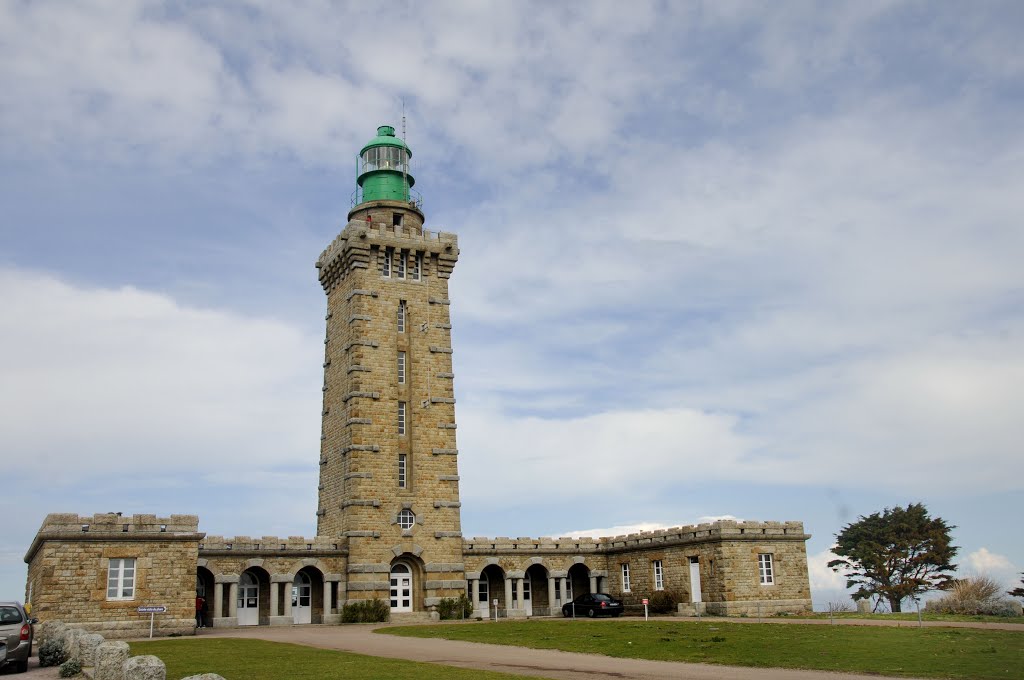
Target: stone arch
<point>494,576</point>
<point>313,575</point>
<point>536,579</point>
<point>206,588</point>
<point>254,569</point>
<point>578,579</point>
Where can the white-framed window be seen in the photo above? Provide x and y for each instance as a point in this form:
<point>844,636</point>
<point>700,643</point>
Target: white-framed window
<point>659,576</point>
<point>625,578</point>
<point>765,570</point>
<point>406,519</point>
<point>401,316</point>
<point>401,368</point>
<point>400,259</point>
<point>417,268</point>
<point>401,417</point>
<point>386,256</point>
<point>121,579</point>
<point>403,476</point>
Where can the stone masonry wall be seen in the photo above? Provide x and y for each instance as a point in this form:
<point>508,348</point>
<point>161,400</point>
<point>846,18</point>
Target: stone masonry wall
<point>67,571</point>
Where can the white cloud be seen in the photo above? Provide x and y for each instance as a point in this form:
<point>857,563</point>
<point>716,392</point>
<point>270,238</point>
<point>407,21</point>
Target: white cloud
<point>99,379</point>
<point>983,562</point>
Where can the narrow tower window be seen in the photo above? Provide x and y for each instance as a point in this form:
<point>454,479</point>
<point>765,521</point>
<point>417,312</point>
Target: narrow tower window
<point>402,471</point>
<point>396,219</point>
<point>401,417</point>
<point>401,368</point>
<point>385,261</point>
<point>625,578</point>
<point>417,268</point>
<point>659,576</point>
<point>400,257</point>
<point>401,316</point>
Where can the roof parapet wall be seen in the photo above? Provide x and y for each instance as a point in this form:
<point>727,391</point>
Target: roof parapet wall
<point>720,530</point>
<point>271,544</point>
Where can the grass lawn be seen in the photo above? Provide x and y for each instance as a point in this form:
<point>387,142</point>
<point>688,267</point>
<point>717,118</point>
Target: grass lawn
<point>923,652</point>
<point>912,616</point>
<point>261,660</point>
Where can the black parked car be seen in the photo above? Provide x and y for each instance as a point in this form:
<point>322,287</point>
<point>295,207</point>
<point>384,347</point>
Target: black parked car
<point>594,604</point>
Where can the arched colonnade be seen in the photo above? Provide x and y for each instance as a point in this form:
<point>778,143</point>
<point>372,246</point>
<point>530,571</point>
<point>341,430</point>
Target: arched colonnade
<point>536,590</point>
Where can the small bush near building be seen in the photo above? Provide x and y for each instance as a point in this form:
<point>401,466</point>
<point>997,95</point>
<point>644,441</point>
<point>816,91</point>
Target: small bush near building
<point>841,606</point>
<point>974,596</point>
<point>455,607</point>
<point>366,611</point>
<point>70,668</point>
<point>664,601</point>
<point>52,653</point>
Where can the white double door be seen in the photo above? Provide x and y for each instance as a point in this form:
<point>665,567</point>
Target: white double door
<point>248,600</point>
<point>401,588</point>
<point>302,598</point>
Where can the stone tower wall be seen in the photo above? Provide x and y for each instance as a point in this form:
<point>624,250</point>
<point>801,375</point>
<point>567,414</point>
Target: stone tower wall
<point>360,497</point>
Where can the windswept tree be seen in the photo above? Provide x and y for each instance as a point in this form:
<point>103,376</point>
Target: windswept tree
<point>899,553</point>
<point>1018,592</point>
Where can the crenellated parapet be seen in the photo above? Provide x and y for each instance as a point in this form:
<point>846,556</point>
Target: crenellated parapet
<point>271,544</point>
<point>62,522</point>
<point>357,245</point>
<point>697,533</point>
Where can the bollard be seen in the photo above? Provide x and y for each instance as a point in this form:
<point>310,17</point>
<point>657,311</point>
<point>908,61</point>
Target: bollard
<point>146,667</point>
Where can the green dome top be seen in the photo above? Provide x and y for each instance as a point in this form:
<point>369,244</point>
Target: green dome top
<point>386,137</point>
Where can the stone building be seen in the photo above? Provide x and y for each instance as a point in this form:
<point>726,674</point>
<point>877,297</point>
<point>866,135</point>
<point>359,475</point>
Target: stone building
<point>388,523</point>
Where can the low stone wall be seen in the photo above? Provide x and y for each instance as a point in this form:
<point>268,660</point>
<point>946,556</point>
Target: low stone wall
<point>103,659</point>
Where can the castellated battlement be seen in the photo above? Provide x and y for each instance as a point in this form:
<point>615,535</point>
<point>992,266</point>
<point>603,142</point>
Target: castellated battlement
<point>719,530</point>
<point>270,544</point>
<point>351,248</point>
<point>115,522</point>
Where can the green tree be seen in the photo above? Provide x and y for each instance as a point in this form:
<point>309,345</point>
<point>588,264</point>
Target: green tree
<point>896,554</point>
<point>1018,592</point>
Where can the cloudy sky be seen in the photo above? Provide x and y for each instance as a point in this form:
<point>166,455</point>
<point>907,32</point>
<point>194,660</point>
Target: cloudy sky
<point>758,260</point>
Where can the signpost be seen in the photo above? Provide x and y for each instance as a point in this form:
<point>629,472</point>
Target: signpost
<point>152,610</point>
<point>645,608</point>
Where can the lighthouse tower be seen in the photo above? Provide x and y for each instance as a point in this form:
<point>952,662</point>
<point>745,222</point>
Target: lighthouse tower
<point>389,481</point>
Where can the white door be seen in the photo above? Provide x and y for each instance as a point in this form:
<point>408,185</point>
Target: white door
<point>527,599</point>
<point>483,603</point>
<point>302,595</point>
<point>401,588</point>
<point>694,580</point>
<point>248,600</point>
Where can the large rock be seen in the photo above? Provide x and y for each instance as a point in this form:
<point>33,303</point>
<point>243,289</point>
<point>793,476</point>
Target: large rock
<point>110,658</point>
<point>204,676</point>
<point>71,638</point>
<point>146,667</point>
<point>87,646</point>
<point>51,630</point>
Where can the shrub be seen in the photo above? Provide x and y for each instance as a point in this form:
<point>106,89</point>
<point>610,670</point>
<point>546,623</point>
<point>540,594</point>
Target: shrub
<point>52,653</point>
<point>70,668</point>
<point>841,606</point>
<point>366,611</point>
<point>664,602</point>
<point>978,595</point>
<point>455,607</point>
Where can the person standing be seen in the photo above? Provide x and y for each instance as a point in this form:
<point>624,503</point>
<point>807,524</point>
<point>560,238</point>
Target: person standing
<point>200,606</point>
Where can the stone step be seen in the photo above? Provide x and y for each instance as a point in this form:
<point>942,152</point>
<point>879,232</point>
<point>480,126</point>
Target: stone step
<point>410,617</point>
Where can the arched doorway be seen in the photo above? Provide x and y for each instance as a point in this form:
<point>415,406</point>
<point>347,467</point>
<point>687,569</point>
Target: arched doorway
<point>535,591</point>
<point>302,598</point>
<point>578,581</point>
<point>252,608</point>
<point>205,588</point>
<point>492,587</point>
<point>401,587</point>
<point>307,593</point>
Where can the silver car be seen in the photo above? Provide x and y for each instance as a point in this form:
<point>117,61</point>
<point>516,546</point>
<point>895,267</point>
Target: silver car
<point>15,636</point>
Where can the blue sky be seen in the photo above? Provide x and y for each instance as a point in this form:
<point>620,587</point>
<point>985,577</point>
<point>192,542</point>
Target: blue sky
<point>738,259</point>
